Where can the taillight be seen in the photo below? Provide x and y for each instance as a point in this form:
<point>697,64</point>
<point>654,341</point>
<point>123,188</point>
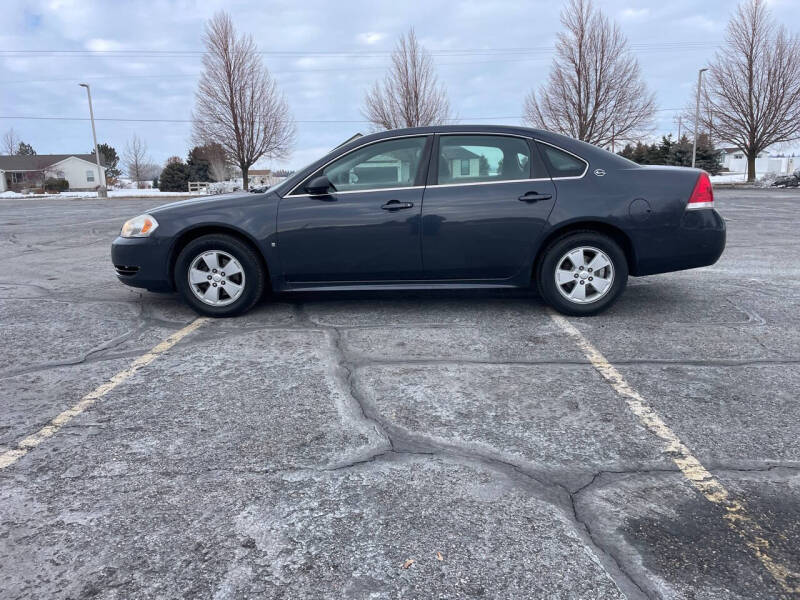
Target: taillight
<point>703,194</point>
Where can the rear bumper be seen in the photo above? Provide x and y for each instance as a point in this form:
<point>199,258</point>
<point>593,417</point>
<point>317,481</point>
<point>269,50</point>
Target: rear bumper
<point>142,262</point>
<point>698,242</point>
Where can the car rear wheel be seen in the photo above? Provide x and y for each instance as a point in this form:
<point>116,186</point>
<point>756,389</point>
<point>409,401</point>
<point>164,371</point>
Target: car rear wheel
<point>582,273</point>
<point>219,276</point>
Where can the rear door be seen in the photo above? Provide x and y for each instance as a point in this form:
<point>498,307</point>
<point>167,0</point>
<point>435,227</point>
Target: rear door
<point>485,207</point>
<point>366,229</point>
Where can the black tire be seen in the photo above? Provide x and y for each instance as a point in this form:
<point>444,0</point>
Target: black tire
<point>552,256</point>
<point>254,275</point>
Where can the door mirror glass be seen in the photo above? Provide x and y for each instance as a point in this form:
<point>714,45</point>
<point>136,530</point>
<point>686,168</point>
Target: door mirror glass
<point>319,186</point>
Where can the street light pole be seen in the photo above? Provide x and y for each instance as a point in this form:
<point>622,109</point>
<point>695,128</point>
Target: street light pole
<point>101,190</point>
<point>697,114</point>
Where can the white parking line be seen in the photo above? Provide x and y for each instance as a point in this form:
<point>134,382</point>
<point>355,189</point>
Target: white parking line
<point>9,457</point>
<point>701,479</point>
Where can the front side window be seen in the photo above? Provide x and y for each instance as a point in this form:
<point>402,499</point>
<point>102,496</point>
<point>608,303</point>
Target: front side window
<point>90,176</point>
<point>390,164</point>
<point>563,164</point>
<point>482,158</point>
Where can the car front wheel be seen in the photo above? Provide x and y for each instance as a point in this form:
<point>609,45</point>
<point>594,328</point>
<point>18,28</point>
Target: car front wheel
<point>582,273</point>
<point>219,276</point>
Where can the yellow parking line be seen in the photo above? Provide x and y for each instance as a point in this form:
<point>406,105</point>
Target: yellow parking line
<point>9,457</point>
<point>704,482</point>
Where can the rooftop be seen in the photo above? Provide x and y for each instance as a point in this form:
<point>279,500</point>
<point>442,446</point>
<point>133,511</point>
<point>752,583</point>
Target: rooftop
<point>37,162</point>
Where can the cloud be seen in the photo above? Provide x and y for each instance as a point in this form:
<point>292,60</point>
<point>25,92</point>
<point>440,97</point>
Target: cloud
<point>370,37</point>
<point>703,22</point>
<point>102,45</point>
<point>323,58</point>
<point>634,13</point>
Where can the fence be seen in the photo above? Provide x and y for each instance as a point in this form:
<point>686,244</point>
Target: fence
<point>197,187</point>
<point>222,187</point>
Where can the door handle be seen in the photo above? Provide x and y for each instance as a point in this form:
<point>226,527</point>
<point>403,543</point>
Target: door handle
<point>534,197</point>
<point>397,205</point>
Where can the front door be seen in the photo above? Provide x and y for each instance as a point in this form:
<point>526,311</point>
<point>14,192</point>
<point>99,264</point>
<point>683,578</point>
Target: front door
<point>366,228</point>
<point>485,207</point>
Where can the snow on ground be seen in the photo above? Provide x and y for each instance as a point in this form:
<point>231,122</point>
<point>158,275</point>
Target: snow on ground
<point>133,193</point>
<point>730,178</point>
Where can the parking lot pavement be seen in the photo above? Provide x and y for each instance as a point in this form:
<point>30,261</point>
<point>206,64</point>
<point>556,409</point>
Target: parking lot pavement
<point>422,445</point>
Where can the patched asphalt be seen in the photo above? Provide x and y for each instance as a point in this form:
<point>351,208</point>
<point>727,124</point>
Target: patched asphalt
<point>388,445</point>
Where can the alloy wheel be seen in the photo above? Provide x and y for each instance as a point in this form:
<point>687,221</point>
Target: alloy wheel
<point>216,278</point>
<point>584,275</point>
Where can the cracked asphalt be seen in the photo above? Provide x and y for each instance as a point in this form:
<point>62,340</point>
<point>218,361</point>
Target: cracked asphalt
<point>384,445</point>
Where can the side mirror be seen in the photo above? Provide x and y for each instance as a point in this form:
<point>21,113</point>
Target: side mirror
<point>319,186</point>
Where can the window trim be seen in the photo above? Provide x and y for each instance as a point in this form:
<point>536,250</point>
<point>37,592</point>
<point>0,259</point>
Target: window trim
<point>432,180</point>
<point>339,193</point>
<point>444,185</point>
<point>583,160</point>
<point>90,173</point>
<point>425,136</point>
<point>434,150</point>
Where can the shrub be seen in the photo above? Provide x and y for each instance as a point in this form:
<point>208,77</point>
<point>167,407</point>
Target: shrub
<point>53,184</point>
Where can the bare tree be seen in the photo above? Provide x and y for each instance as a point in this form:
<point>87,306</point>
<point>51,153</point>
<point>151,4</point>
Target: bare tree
<point>150,171</point>
<point>410,95</point>
<point>136,160</point>
<point>752,96</point>
<point>595,91</point>
<point>218,164</point>
<point>10,142</point>
<point>238,104</point>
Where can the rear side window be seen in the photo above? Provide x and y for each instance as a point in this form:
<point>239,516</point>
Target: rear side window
<point>561,163</point>
<point>482,158</point>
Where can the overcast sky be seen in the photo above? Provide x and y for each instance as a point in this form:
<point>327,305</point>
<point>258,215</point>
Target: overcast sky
<point>324,55</point>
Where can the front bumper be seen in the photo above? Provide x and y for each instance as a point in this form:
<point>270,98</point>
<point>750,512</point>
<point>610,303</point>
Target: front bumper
<point>143,262</point>
<point>698,241</point>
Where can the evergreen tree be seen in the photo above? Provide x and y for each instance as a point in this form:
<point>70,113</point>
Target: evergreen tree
<point>483,166</point>
<point>627,152</point>
<point>676,153</point>
<point>640,154</point>
<point>174,177</point>
<point>198,164</point>
<point>682,153</point>
<point>24,149</point>
<point>708,158</point>
<point>663,153</point>
<point>110,160</point>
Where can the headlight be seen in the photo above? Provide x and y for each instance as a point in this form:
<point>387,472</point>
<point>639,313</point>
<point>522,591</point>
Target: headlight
<point>140,226</point>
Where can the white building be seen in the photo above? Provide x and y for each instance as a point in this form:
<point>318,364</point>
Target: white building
<point>735,161</point>
<point>461,162</point>
<point>27,172</point>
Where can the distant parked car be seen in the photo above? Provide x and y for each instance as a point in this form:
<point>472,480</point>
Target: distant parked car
<point>437,207</point>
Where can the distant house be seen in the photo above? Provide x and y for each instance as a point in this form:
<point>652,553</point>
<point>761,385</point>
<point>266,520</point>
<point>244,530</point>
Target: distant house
<point>23,172</point>
<point>380,169</point>
<point>735,161</point>
<point>259,176</point>
<point>462,162</point>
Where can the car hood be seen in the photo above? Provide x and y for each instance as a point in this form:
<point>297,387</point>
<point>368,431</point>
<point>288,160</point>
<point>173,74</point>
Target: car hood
<point>204,202</point>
